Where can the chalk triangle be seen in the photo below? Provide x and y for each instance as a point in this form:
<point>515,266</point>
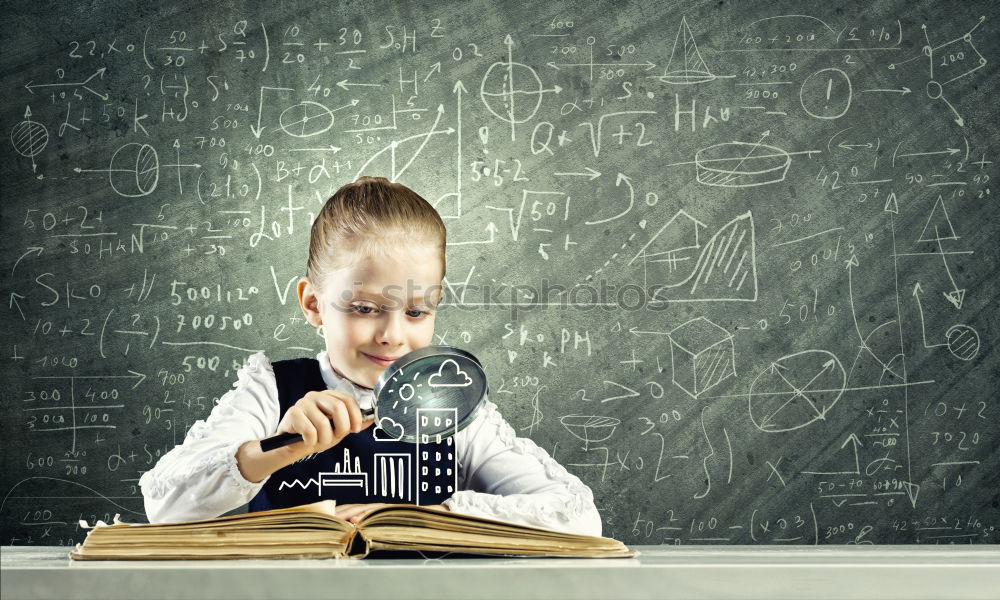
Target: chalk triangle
<point>891,206</point>
<point>685,49</point>
<point>938,226</point>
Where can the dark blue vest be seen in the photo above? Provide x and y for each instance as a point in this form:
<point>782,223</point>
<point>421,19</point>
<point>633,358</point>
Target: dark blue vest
<point>363,468</point>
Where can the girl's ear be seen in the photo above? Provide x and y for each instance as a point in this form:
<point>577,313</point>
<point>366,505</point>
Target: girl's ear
<point>309,301</point>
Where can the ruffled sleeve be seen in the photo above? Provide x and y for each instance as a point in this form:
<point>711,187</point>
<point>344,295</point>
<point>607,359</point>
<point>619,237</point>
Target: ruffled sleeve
<point>200,479</point>
<point>502,476</point>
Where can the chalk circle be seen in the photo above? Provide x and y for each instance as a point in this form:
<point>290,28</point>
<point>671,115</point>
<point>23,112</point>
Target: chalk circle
<point>820,87</point>
<point>934,90</point>
<point>134,170</point>
<point>963,341</point>
<point>499,93</point>
<point>796,390</point>
<point>29,138</point>
<point>741,164</point>
<point>306,119</point>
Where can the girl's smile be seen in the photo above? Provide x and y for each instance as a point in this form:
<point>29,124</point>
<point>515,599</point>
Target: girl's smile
<point>383,362</point>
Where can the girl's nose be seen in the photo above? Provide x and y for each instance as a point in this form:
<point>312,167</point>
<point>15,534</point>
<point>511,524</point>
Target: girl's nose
<point>390,330</point>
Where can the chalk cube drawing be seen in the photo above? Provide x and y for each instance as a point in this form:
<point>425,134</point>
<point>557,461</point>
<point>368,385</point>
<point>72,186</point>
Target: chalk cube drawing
<point>701,356</point>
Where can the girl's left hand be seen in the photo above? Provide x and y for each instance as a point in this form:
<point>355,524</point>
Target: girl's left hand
<point>355,512</point>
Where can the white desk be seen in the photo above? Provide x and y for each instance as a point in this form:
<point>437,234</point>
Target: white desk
<point>703,572</point>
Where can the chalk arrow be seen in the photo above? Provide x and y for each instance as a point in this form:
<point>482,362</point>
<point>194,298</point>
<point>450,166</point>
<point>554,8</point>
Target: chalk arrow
<point>956,297</point>
<point>590,174</point>
<point>31,250</point>
<point>945,151</point>
<point>902,91</point>
<point>13,302</point>
<point>912,491</point>
<point>636,331</point>
<point>853,439</point>
<point>343,84</point>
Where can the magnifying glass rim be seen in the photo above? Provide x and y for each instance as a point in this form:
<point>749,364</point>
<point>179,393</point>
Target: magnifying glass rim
<point>420,354</point>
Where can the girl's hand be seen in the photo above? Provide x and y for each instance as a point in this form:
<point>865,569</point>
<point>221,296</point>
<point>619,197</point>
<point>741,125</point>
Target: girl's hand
<point>323,419</point>
<point>355,512</point>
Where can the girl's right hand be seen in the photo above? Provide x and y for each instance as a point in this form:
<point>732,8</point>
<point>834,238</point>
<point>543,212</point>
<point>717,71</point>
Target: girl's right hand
<point>323,419</point>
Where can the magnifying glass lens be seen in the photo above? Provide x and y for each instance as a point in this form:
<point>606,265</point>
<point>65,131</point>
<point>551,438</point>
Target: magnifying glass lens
<point>434,391</point>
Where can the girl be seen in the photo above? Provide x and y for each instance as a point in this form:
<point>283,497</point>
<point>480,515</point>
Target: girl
<point>372,283</point>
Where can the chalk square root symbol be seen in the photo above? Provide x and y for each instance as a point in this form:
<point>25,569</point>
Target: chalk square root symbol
<point>701,356</point>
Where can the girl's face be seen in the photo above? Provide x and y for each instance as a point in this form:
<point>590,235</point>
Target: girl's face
<point>376,310</point>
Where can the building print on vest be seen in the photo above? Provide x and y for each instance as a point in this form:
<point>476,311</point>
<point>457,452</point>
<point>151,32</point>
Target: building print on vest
<point>365,467</point>
<point>341,476</point>
<point>436,473</point>
<point>393,472</point>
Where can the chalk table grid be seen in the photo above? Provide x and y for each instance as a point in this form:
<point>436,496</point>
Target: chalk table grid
<point>705,572</point>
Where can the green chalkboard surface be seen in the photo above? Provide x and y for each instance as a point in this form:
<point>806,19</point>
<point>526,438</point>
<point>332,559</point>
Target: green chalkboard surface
<point>732,264</point>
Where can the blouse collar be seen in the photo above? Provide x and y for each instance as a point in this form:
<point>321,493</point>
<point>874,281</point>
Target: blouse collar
<point>364,396</point>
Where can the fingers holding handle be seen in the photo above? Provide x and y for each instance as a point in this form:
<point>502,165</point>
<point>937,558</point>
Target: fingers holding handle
<point>320,420</point>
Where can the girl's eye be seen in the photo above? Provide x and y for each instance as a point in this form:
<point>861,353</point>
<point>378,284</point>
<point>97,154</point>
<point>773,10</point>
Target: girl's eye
<point>363,308</point>
<point>419,313</point>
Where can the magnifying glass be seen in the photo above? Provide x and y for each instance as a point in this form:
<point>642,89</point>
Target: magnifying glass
<point>433,391</point>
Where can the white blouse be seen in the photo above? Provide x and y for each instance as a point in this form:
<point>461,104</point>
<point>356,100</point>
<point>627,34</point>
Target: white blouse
<point>500,476</point>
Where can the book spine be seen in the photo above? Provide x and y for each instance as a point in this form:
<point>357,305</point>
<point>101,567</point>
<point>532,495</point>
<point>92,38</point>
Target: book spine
<point>358,545</point>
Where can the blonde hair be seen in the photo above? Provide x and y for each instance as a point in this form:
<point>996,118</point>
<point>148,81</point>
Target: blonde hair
<point>366,218</point>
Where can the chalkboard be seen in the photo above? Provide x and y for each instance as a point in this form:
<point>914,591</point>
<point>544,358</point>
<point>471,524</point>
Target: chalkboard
<point>734,267</point>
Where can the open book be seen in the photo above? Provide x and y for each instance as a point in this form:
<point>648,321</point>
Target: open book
<point>314,531</point>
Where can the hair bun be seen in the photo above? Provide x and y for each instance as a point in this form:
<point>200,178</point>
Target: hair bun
<point>365,215</point>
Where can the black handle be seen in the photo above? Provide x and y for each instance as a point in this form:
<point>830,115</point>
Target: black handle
<point>278,441</point>
<point>284,439</point>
